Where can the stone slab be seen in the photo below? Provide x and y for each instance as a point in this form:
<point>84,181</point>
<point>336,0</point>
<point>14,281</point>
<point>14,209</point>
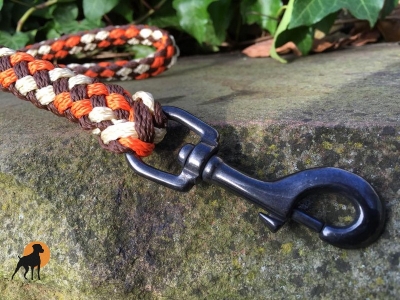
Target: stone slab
<point>115,235</point>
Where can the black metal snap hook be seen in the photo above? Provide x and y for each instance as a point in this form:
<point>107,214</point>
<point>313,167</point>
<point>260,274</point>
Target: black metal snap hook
<point>279,197</point>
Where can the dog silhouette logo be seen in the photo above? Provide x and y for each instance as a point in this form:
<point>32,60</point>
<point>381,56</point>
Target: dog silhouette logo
<point>36,255</point>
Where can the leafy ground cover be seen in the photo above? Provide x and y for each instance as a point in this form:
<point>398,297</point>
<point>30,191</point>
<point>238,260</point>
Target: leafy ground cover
<point>269,27</point>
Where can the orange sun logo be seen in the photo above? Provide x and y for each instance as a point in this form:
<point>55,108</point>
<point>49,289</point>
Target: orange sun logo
<point>44,256</point>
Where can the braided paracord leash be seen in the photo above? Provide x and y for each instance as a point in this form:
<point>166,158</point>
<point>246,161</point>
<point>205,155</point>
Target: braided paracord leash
<point>122,122</point>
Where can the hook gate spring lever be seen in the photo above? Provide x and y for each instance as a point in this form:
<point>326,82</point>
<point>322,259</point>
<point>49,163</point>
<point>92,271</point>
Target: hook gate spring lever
<point>278,198</point>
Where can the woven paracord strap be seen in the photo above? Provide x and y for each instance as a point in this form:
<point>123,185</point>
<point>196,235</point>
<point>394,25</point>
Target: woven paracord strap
<point>82,42</point>
<point>123,122</point>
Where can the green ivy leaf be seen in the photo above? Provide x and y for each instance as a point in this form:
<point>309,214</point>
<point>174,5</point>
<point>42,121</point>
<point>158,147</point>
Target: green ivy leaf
<point>1,4</point>
<point>221,16</point>
<point>142,51</point>
<point>164,21</point>
<point>301,36</point>
<point>195,20</point>
<point>65,13</point>
<point>76,26</point>
<point>304,39</point>
<point>165,17</point>
<point>326,23</point>
<point>16,41</point>
<point>283,25</point>
<point>261,12</point>
<point>95,9</point>
<point>309,12</point>
<point>64,17</point>
<point>52,34</point>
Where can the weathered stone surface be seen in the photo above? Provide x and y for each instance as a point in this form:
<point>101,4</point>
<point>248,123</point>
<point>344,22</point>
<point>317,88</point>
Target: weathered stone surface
<point>114,235</point>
